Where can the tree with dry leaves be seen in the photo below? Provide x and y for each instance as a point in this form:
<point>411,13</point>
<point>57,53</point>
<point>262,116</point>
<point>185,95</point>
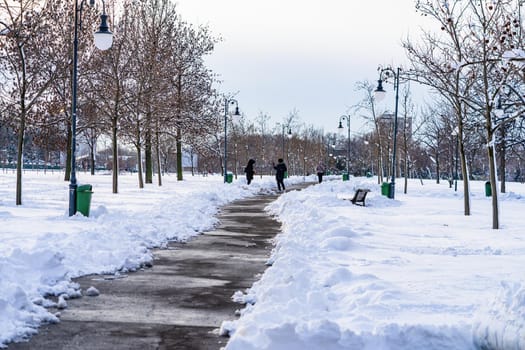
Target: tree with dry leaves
<point>28,67</point>
<point>463,63</point>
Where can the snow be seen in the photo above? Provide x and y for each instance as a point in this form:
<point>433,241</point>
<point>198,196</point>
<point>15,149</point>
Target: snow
<point>516,56</point>
<point>408,273</point>
<point>43,248</point>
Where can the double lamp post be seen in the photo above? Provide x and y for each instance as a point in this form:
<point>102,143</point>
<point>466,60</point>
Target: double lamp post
<point>340,129</point>
<point>103,41</point>
<point>380,95</point>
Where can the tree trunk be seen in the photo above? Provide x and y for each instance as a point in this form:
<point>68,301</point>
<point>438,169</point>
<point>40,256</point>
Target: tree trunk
<point>193,165</point>
<point>490,141</point>
<point>380,169</point>
<point>438,170</point>
<point>502,160</point>
<point>493,187</point>
<point>148,156</point>
<point>139,166</point>
<point>92,158</point>
<point>464,171</point>
<point>406,173</point>
<point>20,157</point>
<point>157,151</point>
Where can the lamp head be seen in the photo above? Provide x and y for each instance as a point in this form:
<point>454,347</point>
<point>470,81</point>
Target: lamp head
<point>340,126</point>
<point>103,37</point>
<point>236,113</point>
<point>379,92</point>
<point>289,133</point>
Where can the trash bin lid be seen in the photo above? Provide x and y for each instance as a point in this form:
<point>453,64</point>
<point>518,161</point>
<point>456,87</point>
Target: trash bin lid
<point>84,188</point>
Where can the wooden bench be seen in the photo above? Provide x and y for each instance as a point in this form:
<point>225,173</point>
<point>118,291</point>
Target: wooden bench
<point>360,196</point>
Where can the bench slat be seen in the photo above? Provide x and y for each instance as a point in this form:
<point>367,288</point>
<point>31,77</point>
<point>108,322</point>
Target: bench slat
<point>360,196</point>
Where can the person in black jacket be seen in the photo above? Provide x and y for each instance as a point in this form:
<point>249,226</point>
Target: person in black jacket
<point>320,171</point>
<point>249,171</point>
<point>279,173</point>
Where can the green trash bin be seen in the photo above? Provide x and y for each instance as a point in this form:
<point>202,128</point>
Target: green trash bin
<point>229,177</point>
<point>488,189</point>
<point>84,193</point>
<point>385,189</point>
<point>285,175</point>
<point>345,177</point>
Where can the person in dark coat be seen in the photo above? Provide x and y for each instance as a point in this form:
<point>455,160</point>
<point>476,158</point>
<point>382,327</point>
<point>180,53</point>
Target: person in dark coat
<point>320,171</point>
<point>280,169</point>
<point>249,171</point>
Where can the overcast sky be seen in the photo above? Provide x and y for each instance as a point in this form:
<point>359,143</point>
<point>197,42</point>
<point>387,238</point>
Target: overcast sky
<point>281,55</point>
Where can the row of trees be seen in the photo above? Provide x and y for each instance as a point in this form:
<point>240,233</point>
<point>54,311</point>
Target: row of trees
<point>150,90</point>
<point>474,63</point>
<point>153,92</point>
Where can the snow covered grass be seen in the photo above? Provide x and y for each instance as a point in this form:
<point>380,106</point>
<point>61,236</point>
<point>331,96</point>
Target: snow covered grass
<point>409,273</point>
<point>43,248</point>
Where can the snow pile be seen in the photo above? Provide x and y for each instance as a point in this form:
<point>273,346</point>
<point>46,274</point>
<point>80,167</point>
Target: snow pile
<point>409,273</point>
<point>502,326</point>
<point>43,248</point>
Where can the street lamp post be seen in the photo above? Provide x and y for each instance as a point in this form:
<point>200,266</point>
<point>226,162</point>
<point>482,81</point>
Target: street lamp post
<point>289,134</point>
<point>228,101</point>
<point>380,94</point>
<point>340,128</point>
<point>103,41</point>
<point>329,153</point>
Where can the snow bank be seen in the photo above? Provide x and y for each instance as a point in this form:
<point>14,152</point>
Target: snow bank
<point>43,248</point>
<point>409,273</point>
<point>501,326</point>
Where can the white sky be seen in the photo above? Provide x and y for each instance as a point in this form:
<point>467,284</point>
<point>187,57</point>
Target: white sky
<point>303,54</point>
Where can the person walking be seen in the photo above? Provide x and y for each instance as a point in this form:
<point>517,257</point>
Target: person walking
<point>280,169</point>
<point>249,171</point>
<point>320,171</point>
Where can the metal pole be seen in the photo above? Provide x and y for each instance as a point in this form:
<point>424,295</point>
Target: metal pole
<point>283,141</point>
<point>348,148</point>
<point>457,151</point>
<point>340,127</point>
<point>393,181</point>
<point>225,137</point>
<point>73,178</point>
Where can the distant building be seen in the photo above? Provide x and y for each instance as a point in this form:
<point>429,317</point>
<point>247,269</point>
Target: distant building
<point>386,122</point>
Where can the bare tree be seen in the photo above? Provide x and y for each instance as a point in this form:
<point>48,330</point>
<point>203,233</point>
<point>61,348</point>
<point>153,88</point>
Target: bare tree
<point>368,104</point>
<point>27,64</point>
<point>464,65</point>
<point>107,84</point>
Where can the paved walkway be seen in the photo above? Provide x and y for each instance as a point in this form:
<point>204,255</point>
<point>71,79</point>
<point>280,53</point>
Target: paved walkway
<point>181,301</point>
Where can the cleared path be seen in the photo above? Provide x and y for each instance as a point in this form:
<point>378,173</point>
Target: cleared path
<point>181,301</point>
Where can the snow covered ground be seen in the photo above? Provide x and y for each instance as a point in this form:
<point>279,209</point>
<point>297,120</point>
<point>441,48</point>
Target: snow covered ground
<point>43,248</point>
<point>409,273</point>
